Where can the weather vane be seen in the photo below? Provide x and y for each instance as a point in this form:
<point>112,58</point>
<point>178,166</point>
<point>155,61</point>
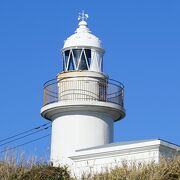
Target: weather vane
<point>82,16</point>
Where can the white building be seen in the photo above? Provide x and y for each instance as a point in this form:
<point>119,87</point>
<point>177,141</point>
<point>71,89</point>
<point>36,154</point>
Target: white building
<point>83,102</point>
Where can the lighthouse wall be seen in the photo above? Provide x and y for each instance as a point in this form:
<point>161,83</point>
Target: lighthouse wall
<point>79,130</point>
<point>82,88</point>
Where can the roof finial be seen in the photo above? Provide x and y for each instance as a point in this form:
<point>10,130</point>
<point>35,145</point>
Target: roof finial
<point>82,16</point>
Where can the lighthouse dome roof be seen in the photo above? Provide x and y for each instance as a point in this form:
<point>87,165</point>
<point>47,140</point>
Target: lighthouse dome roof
<point>82,37</point>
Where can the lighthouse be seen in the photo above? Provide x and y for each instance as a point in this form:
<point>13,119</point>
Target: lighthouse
<point>82,102</point>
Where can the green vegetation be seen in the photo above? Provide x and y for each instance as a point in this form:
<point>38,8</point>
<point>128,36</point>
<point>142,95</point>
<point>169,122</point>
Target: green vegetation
<point>166,170</point>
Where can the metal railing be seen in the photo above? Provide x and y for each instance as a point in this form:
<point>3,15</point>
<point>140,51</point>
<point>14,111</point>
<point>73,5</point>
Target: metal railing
<point>83,90</point>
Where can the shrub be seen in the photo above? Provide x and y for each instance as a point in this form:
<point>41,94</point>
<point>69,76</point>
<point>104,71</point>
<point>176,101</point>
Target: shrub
<point>46,172</point>
<point>33,172</point>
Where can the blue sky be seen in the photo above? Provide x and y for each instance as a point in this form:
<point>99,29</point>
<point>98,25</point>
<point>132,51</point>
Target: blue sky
<point>142,42</point>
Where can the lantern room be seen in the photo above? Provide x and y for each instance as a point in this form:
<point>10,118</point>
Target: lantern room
<point>82,50</point>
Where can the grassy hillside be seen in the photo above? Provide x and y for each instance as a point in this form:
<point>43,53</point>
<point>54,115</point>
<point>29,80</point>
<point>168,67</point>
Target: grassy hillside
<point>166,170</point>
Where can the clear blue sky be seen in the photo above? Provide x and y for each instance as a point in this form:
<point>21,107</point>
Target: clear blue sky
<point>142,42</point>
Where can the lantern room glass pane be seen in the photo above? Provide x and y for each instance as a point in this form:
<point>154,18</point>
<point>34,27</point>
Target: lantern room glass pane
<point>66,53</point>
<point>77,54</point>
<point>83,64</point>
<point>77,59</point>
<point>88,55</point>
<point>71,63</point>
<point>65,59</point>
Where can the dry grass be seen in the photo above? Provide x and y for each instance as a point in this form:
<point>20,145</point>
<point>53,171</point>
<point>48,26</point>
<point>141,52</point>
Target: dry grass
<point>36,172</point>
<point>166,170</point>
<point>13,169</point>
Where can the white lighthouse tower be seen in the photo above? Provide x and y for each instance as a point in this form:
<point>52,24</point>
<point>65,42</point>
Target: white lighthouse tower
<point>82,102</point>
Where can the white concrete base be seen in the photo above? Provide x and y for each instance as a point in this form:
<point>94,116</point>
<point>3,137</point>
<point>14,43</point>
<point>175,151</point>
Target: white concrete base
<point>99,158</point>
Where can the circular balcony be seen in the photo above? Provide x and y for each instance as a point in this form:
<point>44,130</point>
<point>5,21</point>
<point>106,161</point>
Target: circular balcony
<point>57,90</point>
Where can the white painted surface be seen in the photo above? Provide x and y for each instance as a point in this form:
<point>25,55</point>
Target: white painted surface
<point>81,88</point>
<point>78,122</point>
<point>78,130</point>
<point>98,165</point>
<point>82,37</point>
<point>99,159</point>
<point>53,110</point>
<point>96,60</point>
<point>85,73</point>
